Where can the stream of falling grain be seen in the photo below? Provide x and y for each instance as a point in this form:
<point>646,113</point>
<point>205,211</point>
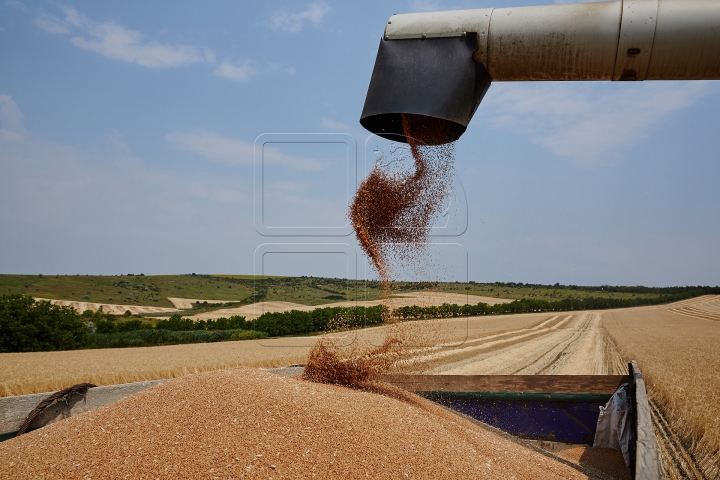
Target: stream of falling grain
<point>392,213</point>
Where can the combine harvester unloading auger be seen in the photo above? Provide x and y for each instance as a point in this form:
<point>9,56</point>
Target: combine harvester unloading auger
<point>441,64</point>
<point>436,67</point>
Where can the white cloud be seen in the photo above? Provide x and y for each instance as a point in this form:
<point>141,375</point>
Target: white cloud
<point>69,210</point>
<point>118,144</point>
<point>294,22</point>
<point>11,119</point>
<point>7,136</point>
<point>243,70</point>
<point>119,43</point>
<point>50,23</point>
<point>210,56</point>
<point>114,41</point>
<point>288,187</point>
<point>213,146</point>
<point>234,72</point>
<point>217,147</point>
<point>355,130</point>
<point>10,114</point>
<point>583,121</point>
<point>16,4</point>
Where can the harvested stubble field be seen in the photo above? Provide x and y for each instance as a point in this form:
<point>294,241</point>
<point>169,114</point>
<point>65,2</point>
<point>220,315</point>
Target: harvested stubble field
<point>422,299</point>
<point>184,306</point>
<point>111,308</point>
<point>179,304</point>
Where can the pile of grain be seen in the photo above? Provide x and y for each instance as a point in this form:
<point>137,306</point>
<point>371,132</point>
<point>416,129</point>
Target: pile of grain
<point>327,363</point>
<point>248,423</point>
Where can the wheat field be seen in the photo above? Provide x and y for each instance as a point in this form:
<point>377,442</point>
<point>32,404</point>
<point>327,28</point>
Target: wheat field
<point>678,350</point>
<point>24,373</point>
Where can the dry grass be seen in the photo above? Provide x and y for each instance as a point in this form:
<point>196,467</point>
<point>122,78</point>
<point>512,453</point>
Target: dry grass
<point>680,358</point>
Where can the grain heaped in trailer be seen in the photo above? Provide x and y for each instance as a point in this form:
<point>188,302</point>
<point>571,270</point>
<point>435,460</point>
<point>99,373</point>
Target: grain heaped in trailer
<point>248,423</point>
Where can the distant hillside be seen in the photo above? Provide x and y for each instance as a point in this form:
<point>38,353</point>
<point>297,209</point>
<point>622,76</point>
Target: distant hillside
<point>154,290</point>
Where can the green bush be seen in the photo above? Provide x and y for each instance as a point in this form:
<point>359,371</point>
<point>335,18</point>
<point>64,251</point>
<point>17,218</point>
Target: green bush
<point>296,322</point>
<point>27,325</point>
<point>233,323</point>
<point>132,325</point>
<point>179,324</point>
<point>155,337</point>
<point>176,323</point>
<point>104,326</point>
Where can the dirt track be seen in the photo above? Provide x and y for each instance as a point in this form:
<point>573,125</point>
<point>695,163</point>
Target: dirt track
<point>564,344</point>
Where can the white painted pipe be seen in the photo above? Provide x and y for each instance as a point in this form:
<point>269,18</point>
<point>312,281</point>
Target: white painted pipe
<point>622,40</point>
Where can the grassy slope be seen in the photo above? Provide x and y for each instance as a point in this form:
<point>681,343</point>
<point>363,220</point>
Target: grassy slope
<point>540,293</point>
<point>101,288</point>
<point>303,290</point>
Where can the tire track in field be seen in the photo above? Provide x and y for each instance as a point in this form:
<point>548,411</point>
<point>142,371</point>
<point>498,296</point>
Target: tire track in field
<point>552,359</point>
<point>537,368</point>
<point>706,307</point>
<point>502,356</point>
<point>678,462</point>
<point>437,356</point>
<point>575,345</point>
<point>696,312</point>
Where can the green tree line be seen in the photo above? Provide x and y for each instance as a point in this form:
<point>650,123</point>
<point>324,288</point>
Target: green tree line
<point>27,325</point>
<point>533,305</point>
<point>30,326</point>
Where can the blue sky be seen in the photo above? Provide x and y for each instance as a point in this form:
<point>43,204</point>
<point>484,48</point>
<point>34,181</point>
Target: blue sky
<point>127,137</point>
